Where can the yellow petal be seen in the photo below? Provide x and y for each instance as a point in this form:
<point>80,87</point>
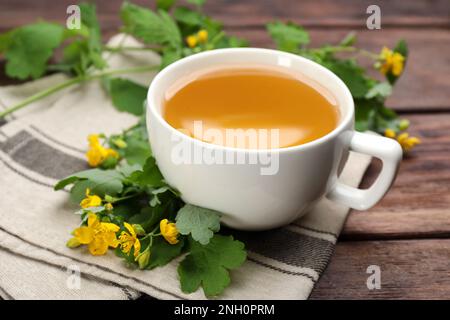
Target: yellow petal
<point>130,229</point>
<point>169,231</point>
<point>137,247</point>
<point>126,242</point>
<point>94,140</point>
<point>84,235</point>
<point>111,239</point>
<point>95,156</point>
<point>389,133</point>
<point>91,201</point>
<point>98,247</point>
<point>385,53</point>
<point>402,137</point>
<point>397,64</point>
<point>414,140</point>
<point>202,36</point>
<point>163,225</point>
<point>110,227</point>
<point>191,41</point>
<point>92,220</point>
<point>111,153</point>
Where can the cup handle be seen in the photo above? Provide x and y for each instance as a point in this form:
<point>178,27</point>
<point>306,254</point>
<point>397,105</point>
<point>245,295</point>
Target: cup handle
<point>389,152</point>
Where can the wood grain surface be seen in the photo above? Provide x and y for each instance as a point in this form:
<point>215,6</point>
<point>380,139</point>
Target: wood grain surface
<point>408,233</point>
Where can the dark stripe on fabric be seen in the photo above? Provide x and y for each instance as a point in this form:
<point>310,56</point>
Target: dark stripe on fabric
<point>6,294</point>
<point>39,157</point>
<point>56,141</point>
<point>89,264</point>
<point>26,176</point>
<point>282,270</point>
<point>289,247</point>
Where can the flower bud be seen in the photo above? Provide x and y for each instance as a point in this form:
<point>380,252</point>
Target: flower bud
<point>143,259</point>
<point>119,143</point>
<point>73,243</point>
<point>138,229</point>
<point>403,124</point>
<point>109,199</point>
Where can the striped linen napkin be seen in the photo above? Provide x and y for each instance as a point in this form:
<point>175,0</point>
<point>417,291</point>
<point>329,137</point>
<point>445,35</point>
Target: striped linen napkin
<point>46,141</point>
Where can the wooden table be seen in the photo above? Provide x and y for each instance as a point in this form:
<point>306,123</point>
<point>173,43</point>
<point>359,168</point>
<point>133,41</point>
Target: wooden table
<point>408,233</point>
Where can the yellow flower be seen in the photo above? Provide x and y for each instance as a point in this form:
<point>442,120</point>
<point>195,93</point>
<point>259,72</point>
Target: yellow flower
<point>392,62</point>
<point>202,36</point>
<point>99,236</point>
<point>129,240</point>
<point>407,142</point>
<point>169,231</point>
<point>191,41</point>
<point>109,206</point>
<point>403,139</point>
<point>389,133</point>
<point>94,157</point>
<point>98,153</point>
<point>90,200</point>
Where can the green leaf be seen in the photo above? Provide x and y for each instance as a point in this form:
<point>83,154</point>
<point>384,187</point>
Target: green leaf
<point>127,169</point>
<point>208,266</point>
<point>29,49</point>
<point>164,4</point>
<point>352,75</point>
<point>148,217</point>
<point>150,176</point>
<point>137,148</point>
<point>197,2</point>
<point>5,40</point>
<point>137,151</point>
<point>86,50</point>
<point>89,19</point>
<point>402,48</point>
<point>288,36</point>
<point>163,252</point>
<point>365,114</point>
<point>150,27</point>
<point>169,56</point>
<point>382,90</point>
<point>126,95</point>
<point>201,223</point>
<point>100,182</point>
<point>188,16</point>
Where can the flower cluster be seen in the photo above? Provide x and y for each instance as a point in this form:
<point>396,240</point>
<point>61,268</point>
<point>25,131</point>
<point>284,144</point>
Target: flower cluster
<point>406,141</point>
<point>100,235</point>
<point>194,39</point>
<point>98,154</point>
<point>391,62</point>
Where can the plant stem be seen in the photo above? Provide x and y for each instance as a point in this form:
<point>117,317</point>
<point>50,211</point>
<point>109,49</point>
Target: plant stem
<point>73,81</point>
<point>126,197</point>
<point>348,49</point>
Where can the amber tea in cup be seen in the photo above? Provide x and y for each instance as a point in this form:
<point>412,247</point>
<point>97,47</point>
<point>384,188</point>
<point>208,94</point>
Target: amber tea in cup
<point>251,98</point>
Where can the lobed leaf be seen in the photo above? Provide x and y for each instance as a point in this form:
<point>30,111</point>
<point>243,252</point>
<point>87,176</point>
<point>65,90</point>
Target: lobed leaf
<point>200,223</point>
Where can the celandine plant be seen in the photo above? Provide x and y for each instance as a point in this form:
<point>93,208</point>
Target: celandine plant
<point>125,204</point>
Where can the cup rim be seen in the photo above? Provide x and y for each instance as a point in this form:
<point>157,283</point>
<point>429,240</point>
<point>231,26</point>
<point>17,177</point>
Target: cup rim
<point>151,103</point>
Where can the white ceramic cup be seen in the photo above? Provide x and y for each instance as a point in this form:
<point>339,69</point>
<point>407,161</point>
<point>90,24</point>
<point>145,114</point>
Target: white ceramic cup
<point>306,173</point>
